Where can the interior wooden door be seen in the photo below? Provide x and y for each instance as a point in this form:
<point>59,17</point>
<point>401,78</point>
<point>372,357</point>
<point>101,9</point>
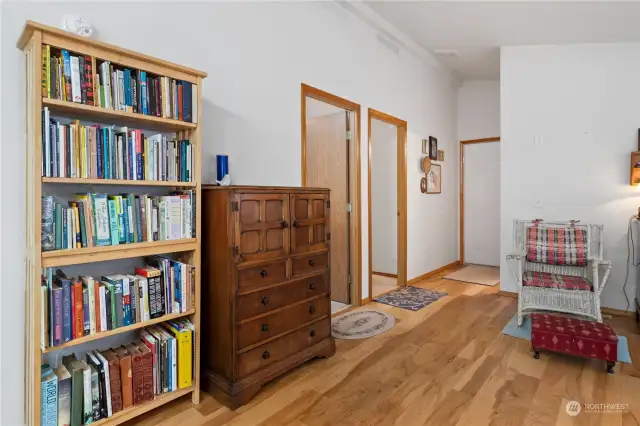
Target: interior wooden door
<point>328,166</point>
<point>262,228</point>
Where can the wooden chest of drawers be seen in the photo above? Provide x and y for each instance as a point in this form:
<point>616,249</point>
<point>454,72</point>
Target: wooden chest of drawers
<point>266,290</point>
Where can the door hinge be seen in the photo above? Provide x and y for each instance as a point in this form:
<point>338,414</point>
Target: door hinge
<point>234,206</point>
<point>349,279</point>
<point>236,250</point>
<point>328,204</point>
<point>462,160</point>
<point>328,236</point>
<point>348,135</point>
<point>349,207</point>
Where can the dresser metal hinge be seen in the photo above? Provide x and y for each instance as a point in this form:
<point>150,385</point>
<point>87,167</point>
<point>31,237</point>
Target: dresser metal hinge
<point>349,207</point>
<point>328,236</point>
<point>328,204</point>
<point>236,250</point>
<point>234,206</point>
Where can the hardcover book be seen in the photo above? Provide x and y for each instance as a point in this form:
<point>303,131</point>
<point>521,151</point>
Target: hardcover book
<point>48,396</point>
<point>64,395</point>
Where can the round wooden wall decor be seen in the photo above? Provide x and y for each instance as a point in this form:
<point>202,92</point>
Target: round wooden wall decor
<point>423,185</point>
<point>426,164</point>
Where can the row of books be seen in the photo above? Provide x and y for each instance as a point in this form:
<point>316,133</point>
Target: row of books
<point>76,307</point>
<point>83,390</point>
<point>136,91</point>
<point>98,219</point>
<point>67,77</point>
<point>108,152</point>
<point>70,77</point>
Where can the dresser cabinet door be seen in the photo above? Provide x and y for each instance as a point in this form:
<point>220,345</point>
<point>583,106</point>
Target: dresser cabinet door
<point>262,227</point>
<point>310,229</point>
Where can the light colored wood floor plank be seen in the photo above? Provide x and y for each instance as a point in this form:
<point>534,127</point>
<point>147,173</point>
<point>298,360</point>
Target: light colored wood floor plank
<point>446,364</point>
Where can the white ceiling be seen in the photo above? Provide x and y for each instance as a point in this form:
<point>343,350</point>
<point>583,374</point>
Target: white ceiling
<point>476,30</point>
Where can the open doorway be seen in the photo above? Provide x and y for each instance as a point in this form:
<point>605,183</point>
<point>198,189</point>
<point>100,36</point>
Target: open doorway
<point>479,212</point>
<point>331,159</point>
<point>387,203</point>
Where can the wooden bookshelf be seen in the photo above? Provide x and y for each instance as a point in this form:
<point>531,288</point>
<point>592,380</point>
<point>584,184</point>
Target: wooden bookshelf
<point>119,330</point>
<point>136,410</point>
<point>83,181</point>
<point>30,42</point>
<point>111,116</point>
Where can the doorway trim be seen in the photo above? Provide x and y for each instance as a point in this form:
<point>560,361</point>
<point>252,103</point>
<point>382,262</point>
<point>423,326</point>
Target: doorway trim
<point>355,248</point>
<point>402,194</point>
<point>462,145</point>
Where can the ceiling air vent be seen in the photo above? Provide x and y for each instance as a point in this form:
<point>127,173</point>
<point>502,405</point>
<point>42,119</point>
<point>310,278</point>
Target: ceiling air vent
<point>446,54</point>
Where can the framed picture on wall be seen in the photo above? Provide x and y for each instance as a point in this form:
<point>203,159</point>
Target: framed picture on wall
<point>433,148</point>
<point>425,146</point>
<point>434,179</point>
<point>440,155</point>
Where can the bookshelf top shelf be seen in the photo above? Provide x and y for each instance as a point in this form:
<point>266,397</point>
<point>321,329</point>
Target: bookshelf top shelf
<point>77,256</point>
<point>83,181</point>
<point>111,116</point>
<point>31,26</point>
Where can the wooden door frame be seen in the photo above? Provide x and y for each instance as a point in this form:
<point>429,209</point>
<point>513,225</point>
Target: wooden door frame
<point>402,195</point>
<point>355,245</point>
<point>462,145</point>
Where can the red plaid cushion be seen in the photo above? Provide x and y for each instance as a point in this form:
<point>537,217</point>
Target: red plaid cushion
<point>546,280</point>
<point>557,246</point>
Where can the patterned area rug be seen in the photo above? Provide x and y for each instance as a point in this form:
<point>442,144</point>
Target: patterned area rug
<point>411,298</point>
<point>361,324</point>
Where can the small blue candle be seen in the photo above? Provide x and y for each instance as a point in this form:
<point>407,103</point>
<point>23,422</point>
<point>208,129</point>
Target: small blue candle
<point>222,166</point>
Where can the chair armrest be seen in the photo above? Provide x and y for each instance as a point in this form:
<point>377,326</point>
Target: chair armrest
<point>515,261</point>
<point>516,255</point>
<point>600,282</point>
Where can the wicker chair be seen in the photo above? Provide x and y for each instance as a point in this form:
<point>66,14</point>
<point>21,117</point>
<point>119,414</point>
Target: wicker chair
<point>551,265</point>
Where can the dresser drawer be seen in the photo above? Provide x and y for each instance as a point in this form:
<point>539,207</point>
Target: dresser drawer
<point>258,276</point>
<point>260,302</point>
<point>281,348</point>
<point>255,331</point>
<point>303,265</point>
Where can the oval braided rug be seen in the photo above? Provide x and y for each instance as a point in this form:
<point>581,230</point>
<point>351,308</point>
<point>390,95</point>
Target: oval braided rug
<point>361,324</point>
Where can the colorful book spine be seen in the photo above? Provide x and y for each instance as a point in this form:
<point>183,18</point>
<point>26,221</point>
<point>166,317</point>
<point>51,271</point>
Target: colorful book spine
<point>48,397</point>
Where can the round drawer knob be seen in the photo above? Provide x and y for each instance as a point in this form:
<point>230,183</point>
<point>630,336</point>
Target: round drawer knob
<point>312,334</point>
<point>264,273</point>
<point>285,224</point>
<point>311,262</point>
<point>266,355</point>
<point>264,300</point>
<point>265,327</point>
<point>312,286</point>
<point>312,309</point>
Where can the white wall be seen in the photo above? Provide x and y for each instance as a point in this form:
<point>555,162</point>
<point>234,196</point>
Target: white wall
<point>384,196</point>
<point>569,121</point>
<point>256,54</point>
<point>478,109</point>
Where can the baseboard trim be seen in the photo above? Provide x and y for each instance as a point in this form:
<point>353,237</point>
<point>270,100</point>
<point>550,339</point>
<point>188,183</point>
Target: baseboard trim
<point>432,273</point>
<point>605,311</point>
<point>385,274</point>
<point>508,294</point>
<point>618,312</point>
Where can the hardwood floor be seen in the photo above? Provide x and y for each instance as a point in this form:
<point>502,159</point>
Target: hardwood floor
<point>447,364</point>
